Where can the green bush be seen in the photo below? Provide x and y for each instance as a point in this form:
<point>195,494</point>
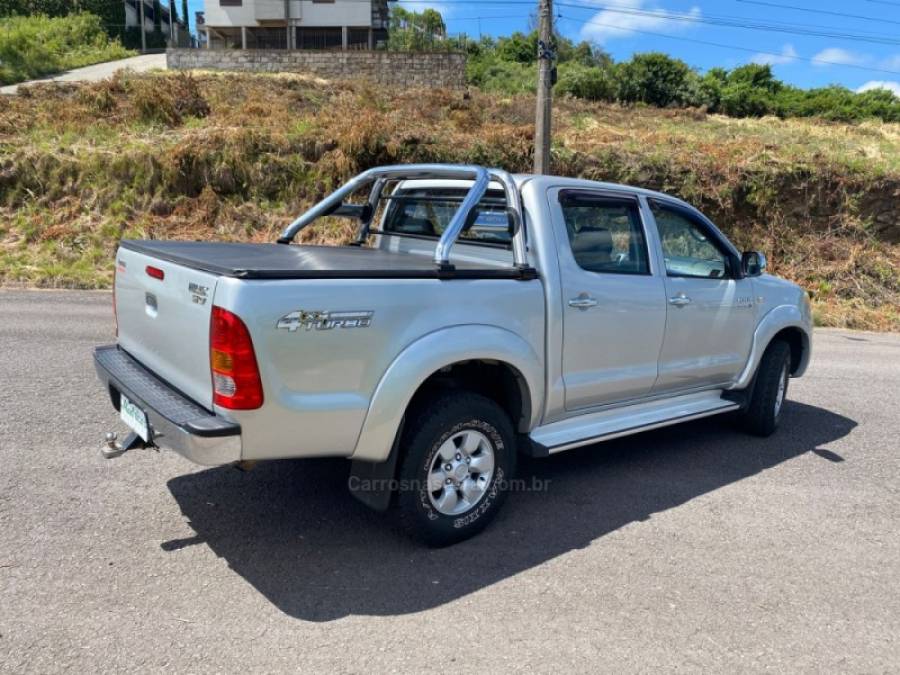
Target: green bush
<point>587,82</point>
<point>35,46</point>
<point>508,65</point>
<point>653,78</point>
<point>506,77</point>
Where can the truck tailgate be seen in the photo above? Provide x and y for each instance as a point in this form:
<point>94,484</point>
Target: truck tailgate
<point>164,322</point>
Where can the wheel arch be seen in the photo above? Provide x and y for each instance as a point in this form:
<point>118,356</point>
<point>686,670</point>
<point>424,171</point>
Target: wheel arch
<point>486,359</point>
<point>798,341</point>
<point>785,322</point>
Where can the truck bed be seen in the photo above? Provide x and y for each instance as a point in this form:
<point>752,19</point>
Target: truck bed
<point>280,261</point>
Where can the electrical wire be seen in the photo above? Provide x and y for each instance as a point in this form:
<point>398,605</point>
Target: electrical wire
<point>818,11</point>
<point>734,47</point>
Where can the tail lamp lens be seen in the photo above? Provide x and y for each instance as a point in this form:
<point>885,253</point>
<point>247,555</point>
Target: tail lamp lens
<point>155,272</point>
<point>115,311</point>
<point>236,381</point>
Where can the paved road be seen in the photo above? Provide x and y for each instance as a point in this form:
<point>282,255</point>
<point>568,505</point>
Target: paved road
<point>693,548</point>
<point>99,71</point>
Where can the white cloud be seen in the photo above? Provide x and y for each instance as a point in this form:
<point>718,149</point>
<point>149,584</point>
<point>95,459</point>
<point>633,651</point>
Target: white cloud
<point>609,24</point>
<point>880,84</point>
<point>891,63</point>
<point>788,55</point>
<point>836,56</point>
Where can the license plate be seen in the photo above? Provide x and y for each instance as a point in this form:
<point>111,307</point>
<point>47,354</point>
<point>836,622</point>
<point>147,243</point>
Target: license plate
<point>134,417</point>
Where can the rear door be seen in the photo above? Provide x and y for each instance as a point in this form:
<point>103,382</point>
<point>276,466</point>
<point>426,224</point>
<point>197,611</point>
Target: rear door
<point>710,316</point>
<point>163,313</point>
<point>613,300</point>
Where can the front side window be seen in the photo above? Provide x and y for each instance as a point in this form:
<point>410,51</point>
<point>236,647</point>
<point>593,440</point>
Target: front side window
<point>687,249</point>
<point>605,234</point>
<point>426,212</point>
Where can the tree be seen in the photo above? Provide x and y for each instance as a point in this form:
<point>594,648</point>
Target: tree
<point>653,78</point>
<point>756,76</point>
<point>415,31</point>
<point>518,47</point>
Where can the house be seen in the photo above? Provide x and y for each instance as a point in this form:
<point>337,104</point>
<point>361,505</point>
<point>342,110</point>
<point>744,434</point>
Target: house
<point>295,24</point>
<point>177,34</point>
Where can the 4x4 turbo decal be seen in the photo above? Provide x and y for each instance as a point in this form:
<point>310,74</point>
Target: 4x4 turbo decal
<point>324,320</point>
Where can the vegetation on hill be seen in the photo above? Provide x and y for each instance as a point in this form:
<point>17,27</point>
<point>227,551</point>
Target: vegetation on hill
<point>236,157</point>
<point>506,65</point>
<point>35,46</point>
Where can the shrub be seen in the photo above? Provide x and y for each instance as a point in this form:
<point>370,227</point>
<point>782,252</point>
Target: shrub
<point>34,46</point>
<point>507,77</point>
<point>591,83</point>
<point>653,78</point>
<point>742,99</point>
<point>167,101</point>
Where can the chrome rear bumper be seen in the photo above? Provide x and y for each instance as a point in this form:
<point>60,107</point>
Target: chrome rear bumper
<point>175,421</point>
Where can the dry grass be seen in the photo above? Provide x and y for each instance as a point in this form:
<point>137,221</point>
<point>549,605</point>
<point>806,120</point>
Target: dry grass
<point>237,156</point>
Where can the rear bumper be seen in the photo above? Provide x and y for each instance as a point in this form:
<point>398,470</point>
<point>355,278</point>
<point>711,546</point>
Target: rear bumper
<point>175,421</point>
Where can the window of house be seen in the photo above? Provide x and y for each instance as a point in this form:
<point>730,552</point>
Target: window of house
<point>320,38</point>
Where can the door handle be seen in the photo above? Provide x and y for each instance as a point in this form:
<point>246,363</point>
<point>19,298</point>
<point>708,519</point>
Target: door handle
<point>680,300</point>
<point>583,302</point>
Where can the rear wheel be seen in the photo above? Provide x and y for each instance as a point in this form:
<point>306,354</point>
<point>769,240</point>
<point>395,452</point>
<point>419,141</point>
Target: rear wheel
<point>459,454</point>
<point>763,413</point>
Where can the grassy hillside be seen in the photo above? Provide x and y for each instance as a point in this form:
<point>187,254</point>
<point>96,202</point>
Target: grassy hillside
<point>34,46</point>
<point>237,156</point>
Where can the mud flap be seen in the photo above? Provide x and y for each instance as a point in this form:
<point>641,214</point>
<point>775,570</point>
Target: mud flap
<point>374,483</point>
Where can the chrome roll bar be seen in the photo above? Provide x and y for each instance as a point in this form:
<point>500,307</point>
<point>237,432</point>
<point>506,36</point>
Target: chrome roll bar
<point>480,176</point>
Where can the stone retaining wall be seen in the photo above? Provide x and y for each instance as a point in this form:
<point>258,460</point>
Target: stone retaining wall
<point>395,69</point>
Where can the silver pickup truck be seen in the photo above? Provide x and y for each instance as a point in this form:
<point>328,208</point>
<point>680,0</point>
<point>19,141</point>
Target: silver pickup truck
<point>476,315</point>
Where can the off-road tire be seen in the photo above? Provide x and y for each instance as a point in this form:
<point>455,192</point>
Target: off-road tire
<point>428,426</point>
<point>762,414</point>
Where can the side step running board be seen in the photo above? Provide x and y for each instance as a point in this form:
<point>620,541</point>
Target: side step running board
<point>607,424</point>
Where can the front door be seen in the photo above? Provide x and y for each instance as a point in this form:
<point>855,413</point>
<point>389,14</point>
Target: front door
<point>613,299</point>
<point>710,309</point>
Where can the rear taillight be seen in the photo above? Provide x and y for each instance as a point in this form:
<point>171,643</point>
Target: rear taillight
<point>115,311</point>
<point>236,383</point>
<point>155,272</point>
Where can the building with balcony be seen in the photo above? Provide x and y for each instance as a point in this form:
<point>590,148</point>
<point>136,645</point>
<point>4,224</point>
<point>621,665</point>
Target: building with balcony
<point>175,33</point>
<point>295,24</point>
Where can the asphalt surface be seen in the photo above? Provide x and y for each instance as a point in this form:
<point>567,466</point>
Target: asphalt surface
<point>98,71</point>
<point>691,548</point>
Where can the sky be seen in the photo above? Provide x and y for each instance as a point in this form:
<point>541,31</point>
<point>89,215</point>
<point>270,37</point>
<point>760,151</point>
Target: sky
<point>809,43</point>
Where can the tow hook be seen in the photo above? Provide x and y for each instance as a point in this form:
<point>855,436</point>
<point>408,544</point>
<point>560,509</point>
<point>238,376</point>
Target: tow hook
<point>114,449</point>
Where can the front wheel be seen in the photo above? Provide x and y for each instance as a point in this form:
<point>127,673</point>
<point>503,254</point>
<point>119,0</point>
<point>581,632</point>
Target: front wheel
<point>766,403</point>
<point>459,456</point>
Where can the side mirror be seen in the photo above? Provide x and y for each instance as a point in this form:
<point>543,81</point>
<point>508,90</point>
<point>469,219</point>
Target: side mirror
<point>753,263</point>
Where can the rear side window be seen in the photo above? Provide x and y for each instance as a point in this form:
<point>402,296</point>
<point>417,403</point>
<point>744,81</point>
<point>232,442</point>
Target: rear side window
<point>427,212</point>
<point>605,234</point>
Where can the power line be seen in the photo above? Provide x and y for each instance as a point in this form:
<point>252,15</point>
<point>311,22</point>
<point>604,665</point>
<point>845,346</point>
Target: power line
<point>746,24</point>
<point>724,46</point>
<point>818,11</point>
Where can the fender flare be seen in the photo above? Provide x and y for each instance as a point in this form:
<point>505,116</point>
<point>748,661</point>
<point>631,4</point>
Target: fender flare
<point>775,321</point>
<point>427,355</point>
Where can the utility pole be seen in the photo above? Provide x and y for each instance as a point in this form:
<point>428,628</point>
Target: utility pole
<point>143,29</point>
<point>544,88</point>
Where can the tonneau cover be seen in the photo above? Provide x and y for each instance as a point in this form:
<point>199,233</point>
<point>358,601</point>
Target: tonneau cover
<point>281,261</point>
